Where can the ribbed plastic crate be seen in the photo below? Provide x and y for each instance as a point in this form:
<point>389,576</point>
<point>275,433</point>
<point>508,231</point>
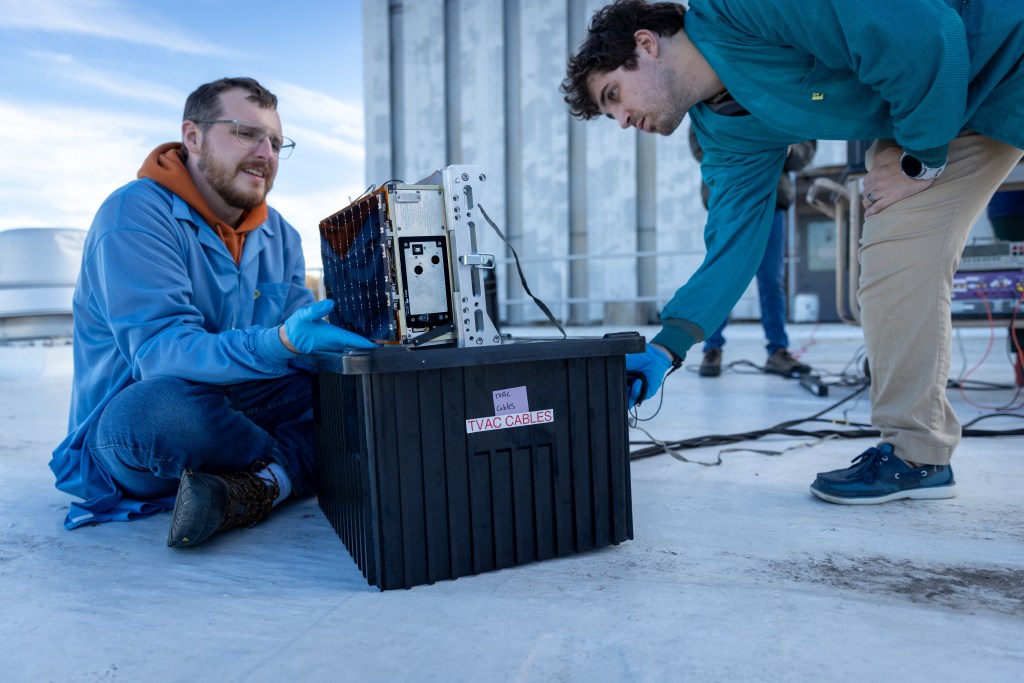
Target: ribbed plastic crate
<point>439,463</point>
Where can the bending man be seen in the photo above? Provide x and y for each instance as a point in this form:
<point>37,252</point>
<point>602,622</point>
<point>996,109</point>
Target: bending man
<point>938,84</point>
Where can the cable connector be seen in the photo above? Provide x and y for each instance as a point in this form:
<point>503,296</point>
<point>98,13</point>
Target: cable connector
<point>813,384</point>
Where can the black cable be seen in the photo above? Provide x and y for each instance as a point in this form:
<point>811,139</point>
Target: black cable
<point>988,416</point>
<point>977,385</point>
<point>522,277</point>
<point>369,188</point>
<point>633,414</point>
<point>845,378</point>
<point>740,367</point>
<point>788,429</point>
<point>783,428</point>
<point>735,366</point>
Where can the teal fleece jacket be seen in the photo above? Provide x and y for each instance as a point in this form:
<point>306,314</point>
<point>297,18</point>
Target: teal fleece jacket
<point>917,71</point>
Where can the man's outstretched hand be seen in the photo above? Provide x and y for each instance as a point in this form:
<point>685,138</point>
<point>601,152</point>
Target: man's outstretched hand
<point>305,331</point>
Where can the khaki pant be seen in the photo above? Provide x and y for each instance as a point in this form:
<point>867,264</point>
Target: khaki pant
<point>909,252</point>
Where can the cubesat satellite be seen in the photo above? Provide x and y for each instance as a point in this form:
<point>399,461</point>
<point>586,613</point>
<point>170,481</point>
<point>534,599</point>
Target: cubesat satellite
<point>402,265</point>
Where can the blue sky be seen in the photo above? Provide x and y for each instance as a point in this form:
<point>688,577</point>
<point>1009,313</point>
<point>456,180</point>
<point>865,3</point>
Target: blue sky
<point>90,87</point>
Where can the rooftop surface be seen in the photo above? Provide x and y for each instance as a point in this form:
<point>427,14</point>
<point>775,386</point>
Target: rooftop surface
<point>735,572</point>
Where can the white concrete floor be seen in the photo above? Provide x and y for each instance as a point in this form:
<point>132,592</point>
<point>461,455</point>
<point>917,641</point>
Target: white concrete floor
<point>735,573</point>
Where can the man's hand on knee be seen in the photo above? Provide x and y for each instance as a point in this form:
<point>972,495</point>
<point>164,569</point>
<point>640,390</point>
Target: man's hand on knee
<point>886,183</point>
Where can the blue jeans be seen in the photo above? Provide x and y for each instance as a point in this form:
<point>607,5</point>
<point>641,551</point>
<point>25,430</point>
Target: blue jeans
<point>770,289</point>
<point>155,429</point>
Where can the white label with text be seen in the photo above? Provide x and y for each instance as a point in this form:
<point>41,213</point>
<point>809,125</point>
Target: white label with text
<point>509,421</point>
<point>510,401</point>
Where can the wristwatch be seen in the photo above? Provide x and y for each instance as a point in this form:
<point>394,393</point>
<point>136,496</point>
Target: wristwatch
<point>913,168</point>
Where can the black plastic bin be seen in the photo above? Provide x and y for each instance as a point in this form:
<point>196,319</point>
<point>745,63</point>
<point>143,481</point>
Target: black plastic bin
<point>446,462</point>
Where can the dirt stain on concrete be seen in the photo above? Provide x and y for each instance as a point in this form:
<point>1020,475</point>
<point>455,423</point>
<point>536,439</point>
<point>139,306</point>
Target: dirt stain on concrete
<point>958,587</point>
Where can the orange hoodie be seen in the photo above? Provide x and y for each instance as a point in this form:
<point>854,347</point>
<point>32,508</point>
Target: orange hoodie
<point>165,166</point>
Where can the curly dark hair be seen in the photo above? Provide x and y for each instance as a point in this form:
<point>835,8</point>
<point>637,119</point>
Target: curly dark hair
<point>611,43</point>
<point>204,102</point>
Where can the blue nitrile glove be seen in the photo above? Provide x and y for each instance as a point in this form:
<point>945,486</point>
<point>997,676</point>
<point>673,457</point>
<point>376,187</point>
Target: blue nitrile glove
<point>307,332</point>
<point>652,364</point>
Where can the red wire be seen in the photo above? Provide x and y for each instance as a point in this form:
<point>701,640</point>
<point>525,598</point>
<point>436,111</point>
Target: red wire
<point>984,356</point>
<point>811,341</point>
<point>991,339</point>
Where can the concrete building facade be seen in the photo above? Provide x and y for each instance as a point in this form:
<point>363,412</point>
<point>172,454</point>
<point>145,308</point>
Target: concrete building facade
<point>607,223</point>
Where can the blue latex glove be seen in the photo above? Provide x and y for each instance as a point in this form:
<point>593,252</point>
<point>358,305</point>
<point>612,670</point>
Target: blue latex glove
<point>652,364</point>
<point>306,332</point>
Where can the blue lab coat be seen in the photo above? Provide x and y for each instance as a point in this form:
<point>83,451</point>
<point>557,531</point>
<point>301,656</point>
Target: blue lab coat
<point>160,295</point>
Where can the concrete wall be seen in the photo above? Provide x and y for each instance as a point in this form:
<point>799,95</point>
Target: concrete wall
<point>476,82</point>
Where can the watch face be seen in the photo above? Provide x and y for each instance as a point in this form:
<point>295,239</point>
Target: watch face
<point>912,166</point>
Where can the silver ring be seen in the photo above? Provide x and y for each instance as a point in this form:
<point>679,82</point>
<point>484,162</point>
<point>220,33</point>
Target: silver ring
<point>871,200</point>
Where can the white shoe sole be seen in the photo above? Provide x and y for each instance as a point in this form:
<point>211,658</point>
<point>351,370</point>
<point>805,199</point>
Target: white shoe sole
<point>929,493</point>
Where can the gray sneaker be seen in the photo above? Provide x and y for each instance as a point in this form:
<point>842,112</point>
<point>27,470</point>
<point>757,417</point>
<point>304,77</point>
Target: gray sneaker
<point>782,363</point>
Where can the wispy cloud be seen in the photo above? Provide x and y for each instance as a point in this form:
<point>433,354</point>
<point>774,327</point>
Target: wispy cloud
<point>64,161</point>
<point>70,70</point>
<point>67,149</point>
<point>340,119</point>
<point>305,210</point>
<point>323,123</point>
<point>350,150</point>
<point>326,171</point>
<point>110,19</point>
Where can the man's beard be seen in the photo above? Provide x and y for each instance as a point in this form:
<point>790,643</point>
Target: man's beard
<point>220,177</point>
<point>669,123</point>
<point>660,120</point>
<point>671,106</point>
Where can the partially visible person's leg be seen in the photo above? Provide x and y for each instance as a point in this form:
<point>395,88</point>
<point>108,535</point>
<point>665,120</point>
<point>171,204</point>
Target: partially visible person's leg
<point>156,429</point>
<point>283,408</point>
<point>909,253</point>
<point>771,288</point>
<point>1008,228</point>
<point>1015,340</point>
<point>711,364</point>
<point>717,338</point>
<point>228,452</point>
<point>1006,214</point>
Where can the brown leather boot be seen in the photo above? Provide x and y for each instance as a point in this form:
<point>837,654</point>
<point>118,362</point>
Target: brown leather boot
<point>711,366</point>
<point>781,362</point>
<point>210,503</point>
